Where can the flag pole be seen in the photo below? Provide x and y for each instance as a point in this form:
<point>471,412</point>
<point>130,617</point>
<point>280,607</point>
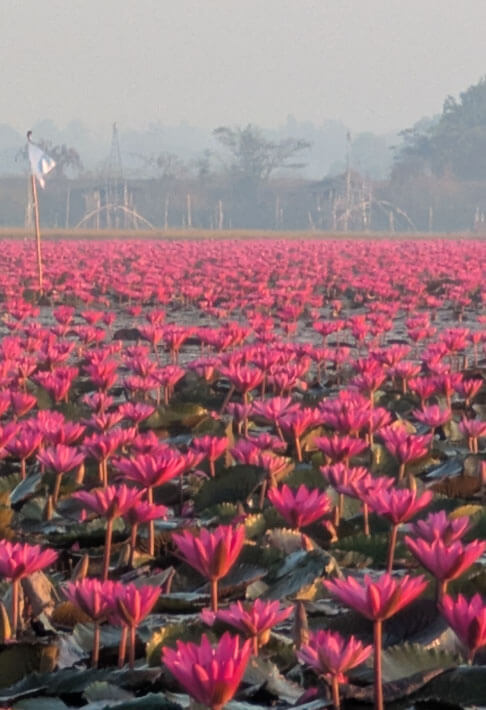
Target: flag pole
<point>35,205</point>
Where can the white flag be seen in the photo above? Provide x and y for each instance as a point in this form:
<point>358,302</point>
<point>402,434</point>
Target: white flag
<point>40,163</point>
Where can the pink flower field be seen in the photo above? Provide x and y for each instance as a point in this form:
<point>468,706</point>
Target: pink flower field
<point>243,474</point>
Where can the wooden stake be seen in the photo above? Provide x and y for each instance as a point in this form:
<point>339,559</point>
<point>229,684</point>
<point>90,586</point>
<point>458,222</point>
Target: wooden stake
<point>37,234</point>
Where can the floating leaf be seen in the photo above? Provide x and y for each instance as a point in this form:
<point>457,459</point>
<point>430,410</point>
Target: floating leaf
<point>465,685</point>
<point>235,484</point>
<point>299,570</point>
<point>265,673</point>
<point>373,546</point>
<point>168,635</point>
<point>26,488</point>
<point>406,660</point>
<point>44,703</point>
<point>101,690</point>
<point>19,660</point>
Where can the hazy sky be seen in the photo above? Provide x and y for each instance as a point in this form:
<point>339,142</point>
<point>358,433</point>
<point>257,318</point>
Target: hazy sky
<point>375,64</point>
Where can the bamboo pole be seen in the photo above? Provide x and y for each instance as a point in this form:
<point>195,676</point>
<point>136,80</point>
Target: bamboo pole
<point>35,204</point>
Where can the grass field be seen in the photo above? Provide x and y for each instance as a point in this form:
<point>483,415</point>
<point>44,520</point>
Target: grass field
<point>239,234</point>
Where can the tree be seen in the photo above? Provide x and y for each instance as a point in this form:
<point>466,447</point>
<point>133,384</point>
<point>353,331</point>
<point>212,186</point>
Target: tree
<point>453,144</point>
<point>67,158</point>
<point>253,158</point>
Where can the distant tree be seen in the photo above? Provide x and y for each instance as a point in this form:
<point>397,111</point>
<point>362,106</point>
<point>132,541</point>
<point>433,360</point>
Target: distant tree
<point>253,158</point>
<point>67,159</point>
<point>454,144</point>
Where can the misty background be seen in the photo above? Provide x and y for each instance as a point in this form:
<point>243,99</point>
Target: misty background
<point>282,114</point>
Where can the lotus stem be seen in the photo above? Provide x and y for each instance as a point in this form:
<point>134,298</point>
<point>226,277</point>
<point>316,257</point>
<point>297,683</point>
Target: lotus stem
<point>263,491</point>
<point>131,653</point>
<point>440,590</point>
<point>391,548</point>
<point>151,525</point>
<point>107,554</point>
<point>255,645</point>
<point>366,520</point>
<point>341,504</point>
<point>377,634</point>
<point>298,448</point>
<point>57,488</point>
<point>401,472</point>
<point>336,700</point>
<point>133,543</point>
<point>15,606</point>
<point>96,646</point>
<point>214,595</point>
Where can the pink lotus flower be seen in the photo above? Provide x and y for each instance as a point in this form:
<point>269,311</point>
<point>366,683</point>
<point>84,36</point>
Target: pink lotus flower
<point>95,599</point>
<point>398,506</point>
<point>22,402</point>
<point>331,656</point>
<point>7,432</point>
<point>57,430</point>
<point>254,620</point>
<point>424,387</point>
<point>438,525</point>
<point>405,447</point>
<point>433,416</point>
<point>301,507</point>
<point>136,411</point>
<point>467,620</point>
<point>18,561</point>
<point>23,445</point>
<point>340,448</point>
<point>473,429</point>
<point>101,446</point>
<point>445,561</point>
<point>211,675</point>
<point>246,452</point>
<point>142,512</point>
<point>469,388</point>
<point>212,447</point>
<point>133,604</point>
<point>212,553</point>
<point>60,459</point>
<point>243,378</point>
<point>168,377</point>
<point>150,471</point>
<point>110,502</point>
<point>380,599</point>
<point>377,600</point>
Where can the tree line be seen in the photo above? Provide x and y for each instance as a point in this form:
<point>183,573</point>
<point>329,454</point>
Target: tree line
<point>437,183</point>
